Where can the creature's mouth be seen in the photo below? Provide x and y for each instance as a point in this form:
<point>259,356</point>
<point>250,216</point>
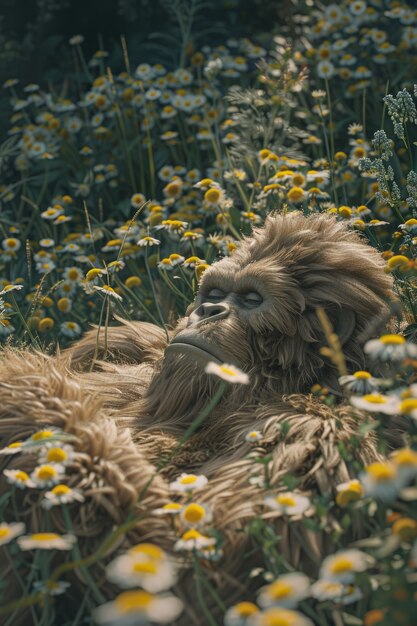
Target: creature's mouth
<point>195,347</point>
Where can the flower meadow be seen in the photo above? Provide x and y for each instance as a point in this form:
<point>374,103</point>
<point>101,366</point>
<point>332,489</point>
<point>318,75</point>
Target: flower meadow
<point>118,189</point>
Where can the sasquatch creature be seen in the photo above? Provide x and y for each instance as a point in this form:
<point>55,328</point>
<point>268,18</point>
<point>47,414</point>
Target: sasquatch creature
<point>256,310</point>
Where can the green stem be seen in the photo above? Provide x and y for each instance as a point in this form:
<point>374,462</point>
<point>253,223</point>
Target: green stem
<point>199,592</point>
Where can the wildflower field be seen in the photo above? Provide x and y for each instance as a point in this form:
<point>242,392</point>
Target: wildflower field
<point>119,187</point>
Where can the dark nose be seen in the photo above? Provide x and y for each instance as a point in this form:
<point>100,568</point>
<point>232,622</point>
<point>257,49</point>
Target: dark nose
<point>208,312</point>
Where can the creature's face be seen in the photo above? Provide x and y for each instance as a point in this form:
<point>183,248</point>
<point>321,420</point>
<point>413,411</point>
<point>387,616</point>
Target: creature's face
<point>227,308</point>
<point>258,308</point>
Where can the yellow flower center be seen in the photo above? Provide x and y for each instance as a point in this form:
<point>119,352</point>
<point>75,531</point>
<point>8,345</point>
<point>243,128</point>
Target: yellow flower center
<point>406,528</point>
<point>374,398</point>
<point>362,375</point>
<point>73,274</point>
<point>298,180</point>
<point>280,617</point>
<point>4,532</point>
<point>42,434</point>
<point>15,444</point>
<point>392,339</point>
<point>381,472</point>
<point>345,211</point>
<point>56,455</point>
<point>61,490</point>
<point>172,189</point>
<point>172,506</point>
<point>191,534</point>
<point>93,273</point>
<point>244,609</point>
<point>285,500</point>
<point>194,513</point>
<point>131,601</point>
<point>227,370</point>
<point>44,537</point>
<point>133,281</point>
<point>406,456</point>
<point>21,475</point>
<point>264,154</point>
<point>144,567</point>
<point>409,405</point>
<point>149,549</point>
<point>398,261</point>
<point>212,195</point>
<point>352,492</point>
<point>296,194</point>
<point>46,472</point>
<point>190,479</point>
<point>279,590</point>
<point>341,565</point>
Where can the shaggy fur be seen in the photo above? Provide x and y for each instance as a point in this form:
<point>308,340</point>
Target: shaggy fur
<point>132,411</point>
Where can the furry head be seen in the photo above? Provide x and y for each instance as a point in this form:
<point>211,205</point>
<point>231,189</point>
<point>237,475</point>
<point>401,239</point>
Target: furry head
<point>258,310</point>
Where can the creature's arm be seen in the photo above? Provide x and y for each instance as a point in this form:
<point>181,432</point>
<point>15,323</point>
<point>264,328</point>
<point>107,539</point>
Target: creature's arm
<point>129,343</point>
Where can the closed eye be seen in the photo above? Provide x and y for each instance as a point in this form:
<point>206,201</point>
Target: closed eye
<point>252,299</point>
<point>215,294</point>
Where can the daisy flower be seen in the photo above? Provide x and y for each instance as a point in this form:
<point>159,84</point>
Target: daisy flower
<point>227,372</point>
<point>188,482</point>
<point>253,436</point>
<point>405,528</point>
<point>8,288</point>
<point>193,261</point>
<point>46,541</point>
<point>405,460</point>
<point>285,591</point>
<point>376,403</point>
<point>61,494</point>
<point>325,69</point>
<point>137,200</point>
<point>349,492</point>
<point>13,448</point>
<point>47,475</point>
<point>194,514</point>
<point>134,608</point>
<point>288,503</point>
<point>57,453</point>
<point>70,329</point>
<point>280,616</point>
<point>193,540</point>
<point>342,566</point>
<point>47,434</point>
<point>240,614</point>
<point>51,588</point>
<point>390,349</point>
<point>360,382</point>
<point>136,568</point>
<point>148,241</point>
<point>323,590</point>
<point>9,531</point>
<point>19,478</point>
<point>381,481</point>
<point>172,508</point>
<point>108,291</point>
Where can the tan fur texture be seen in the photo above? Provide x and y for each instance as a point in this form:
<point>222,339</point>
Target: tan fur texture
<point>132,410</point>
